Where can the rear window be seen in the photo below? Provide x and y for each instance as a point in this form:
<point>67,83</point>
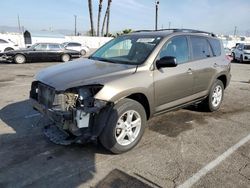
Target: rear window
<point>200,48</point>
<point>215,44</point>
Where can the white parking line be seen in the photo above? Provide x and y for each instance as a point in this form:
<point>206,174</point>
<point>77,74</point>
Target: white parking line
<point>197,176</point>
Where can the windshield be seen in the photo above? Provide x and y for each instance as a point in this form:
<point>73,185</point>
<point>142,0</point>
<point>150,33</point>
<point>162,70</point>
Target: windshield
<point>129,49</point>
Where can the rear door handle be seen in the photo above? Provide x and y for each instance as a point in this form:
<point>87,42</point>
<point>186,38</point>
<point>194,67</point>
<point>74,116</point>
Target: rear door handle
<point>190,71</point>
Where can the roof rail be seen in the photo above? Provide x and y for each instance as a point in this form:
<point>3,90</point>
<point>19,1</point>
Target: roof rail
<point>179,30</point>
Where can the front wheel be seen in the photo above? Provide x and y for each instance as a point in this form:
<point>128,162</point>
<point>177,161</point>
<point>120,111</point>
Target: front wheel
<point>215,97</point>
<point>19,59</point>
<point>65,57</point>
<point>125,126</point>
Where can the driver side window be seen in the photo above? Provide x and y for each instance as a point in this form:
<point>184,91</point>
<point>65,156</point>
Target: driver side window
<point>176,47</point>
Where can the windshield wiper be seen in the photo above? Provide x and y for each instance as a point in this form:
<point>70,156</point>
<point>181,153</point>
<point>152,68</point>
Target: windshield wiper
<point>103,59</point>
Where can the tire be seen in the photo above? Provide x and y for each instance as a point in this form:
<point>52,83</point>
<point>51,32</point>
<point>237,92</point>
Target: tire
<point>19,59</point>
<point>65,57</point>
<point>8,49</point>
<point>118,136</point>
<point>241,59</point>
<point>215,97</point>
<point>83,52</point>
<point>233,55</point>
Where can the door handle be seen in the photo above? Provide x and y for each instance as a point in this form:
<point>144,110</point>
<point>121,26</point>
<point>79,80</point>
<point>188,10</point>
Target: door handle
<point>216,65</point>
<point>190,71</point>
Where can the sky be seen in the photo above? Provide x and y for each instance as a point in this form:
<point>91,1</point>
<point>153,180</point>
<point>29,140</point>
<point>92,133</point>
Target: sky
<point>218,16</point>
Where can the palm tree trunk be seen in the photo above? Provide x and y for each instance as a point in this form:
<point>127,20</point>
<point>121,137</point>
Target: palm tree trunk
<point>108,15</point>
<point>91,17</point>
<point>99,17</point>
<point>104,21</point>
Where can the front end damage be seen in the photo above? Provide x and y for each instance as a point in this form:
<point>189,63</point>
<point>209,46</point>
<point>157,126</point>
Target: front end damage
<point>76,116</point>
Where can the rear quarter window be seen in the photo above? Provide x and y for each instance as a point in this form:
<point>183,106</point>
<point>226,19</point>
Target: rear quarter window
<point>216,46</point>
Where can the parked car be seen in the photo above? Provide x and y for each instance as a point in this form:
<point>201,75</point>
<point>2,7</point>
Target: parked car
<point>7,45</point>
<point>83,49</point>
<point>132,78</point>
<point>241,53</point>
<point>41,52</point>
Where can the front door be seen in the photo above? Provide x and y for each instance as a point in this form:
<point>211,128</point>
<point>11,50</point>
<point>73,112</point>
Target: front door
<point>39,52</point>
<point>173,85</point>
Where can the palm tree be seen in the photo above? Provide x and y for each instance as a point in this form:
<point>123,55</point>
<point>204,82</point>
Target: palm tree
<point>99,17</point>
<point>91,17</point>
<point>106,16</point>
<point>108,9</point>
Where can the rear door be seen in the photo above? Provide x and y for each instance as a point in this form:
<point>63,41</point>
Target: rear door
<point>54,52</point>
<point>173,85</point>
<point>204,63</point>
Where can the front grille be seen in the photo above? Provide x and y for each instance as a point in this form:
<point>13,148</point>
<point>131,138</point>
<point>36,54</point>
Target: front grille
<point>46,95</point>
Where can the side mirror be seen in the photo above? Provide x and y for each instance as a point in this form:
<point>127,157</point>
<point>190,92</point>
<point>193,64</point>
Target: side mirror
<point>166,61</point>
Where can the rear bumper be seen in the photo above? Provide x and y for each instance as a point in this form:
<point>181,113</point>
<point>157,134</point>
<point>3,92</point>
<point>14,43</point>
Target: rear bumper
<point>4,57</point>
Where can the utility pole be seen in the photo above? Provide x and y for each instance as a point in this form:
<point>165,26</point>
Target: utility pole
<point>169,25</point>
<point>157,2</point>
<point>235,30</point>
<point>75,23</point>
<point>19,25</point>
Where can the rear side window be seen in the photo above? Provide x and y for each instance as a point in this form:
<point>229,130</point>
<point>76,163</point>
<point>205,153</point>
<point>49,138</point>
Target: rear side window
<point>216,46</point>
<point>54,46</point>
<point>74,44</point>
<point>200,48</point>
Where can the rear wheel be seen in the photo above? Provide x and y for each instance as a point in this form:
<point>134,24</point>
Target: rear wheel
<point>19,59</point>
<point>83,52</point>
<point>125,126</point>
<point>215,97</point>
<point>65,57</point>
<point>233,55</point>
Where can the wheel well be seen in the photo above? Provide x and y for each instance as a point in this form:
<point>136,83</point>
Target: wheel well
<point>8,48</point>
<point>142,99</point>
<point>223,78</point>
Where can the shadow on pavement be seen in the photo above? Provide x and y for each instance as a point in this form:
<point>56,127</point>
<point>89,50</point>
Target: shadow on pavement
<point>29,160</point>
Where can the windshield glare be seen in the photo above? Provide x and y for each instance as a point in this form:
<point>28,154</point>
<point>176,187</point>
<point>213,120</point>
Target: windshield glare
<point>129,49</point>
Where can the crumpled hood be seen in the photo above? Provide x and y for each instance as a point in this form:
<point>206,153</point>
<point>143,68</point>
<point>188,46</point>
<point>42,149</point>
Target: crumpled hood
<point>82,72</point>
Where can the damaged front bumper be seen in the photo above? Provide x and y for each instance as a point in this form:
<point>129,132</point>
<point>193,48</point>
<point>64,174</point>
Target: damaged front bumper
<point>79,123</point>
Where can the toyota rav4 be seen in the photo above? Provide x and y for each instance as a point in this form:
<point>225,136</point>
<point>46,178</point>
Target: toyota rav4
<point>110,95</point>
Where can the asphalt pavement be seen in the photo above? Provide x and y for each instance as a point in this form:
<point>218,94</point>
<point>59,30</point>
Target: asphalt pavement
<point>185,148</point>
